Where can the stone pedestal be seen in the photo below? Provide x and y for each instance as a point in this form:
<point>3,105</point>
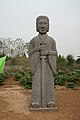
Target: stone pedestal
<point>43,109</point>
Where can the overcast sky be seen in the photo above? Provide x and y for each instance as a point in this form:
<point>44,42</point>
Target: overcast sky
<point>17,20</point>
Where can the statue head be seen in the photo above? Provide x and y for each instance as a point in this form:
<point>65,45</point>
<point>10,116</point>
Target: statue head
<point>42,24</point>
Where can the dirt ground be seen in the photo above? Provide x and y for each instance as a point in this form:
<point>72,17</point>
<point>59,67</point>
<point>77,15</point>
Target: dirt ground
<point>15,100</point>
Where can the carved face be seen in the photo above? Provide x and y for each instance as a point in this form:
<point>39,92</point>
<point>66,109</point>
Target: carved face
<point>42,25</point>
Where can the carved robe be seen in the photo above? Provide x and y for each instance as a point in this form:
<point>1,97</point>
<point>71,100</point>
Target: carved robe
<point>43,47</point>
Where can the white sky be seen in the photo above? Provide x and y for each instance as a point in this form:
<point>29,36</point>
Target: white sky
<point>17,20</point>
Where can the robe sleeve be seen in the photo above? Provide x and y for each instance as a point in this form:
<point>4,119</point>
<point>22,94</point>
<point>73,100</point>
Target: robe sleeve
<point>53,57</point>
<point>33,56</point>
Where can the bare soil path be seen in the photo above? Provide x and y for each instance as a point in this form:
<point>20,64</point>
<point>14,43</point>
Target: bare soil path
<point>14,103</point>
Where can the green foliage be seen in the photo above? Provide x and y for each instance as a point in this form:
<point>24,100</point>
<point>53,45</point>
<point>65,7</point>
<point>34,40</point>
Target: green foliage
<point>25,79</point>
<point>60,80</point>
<point>60,72</point>
<point>61,61</point>
<point>70,59</point>
<point>1,79</point>
<point>3,76</point>
<point>19,61</point>
<point>18,76</point>
<point>67,74</point>
<point>67,71</point>
<point>70,78</point>
<point>78,61</point>
<point>71,85</point>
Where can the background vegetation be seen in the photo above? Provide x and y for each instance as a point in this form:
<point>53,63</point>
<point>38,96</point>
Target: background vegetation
<point>17,65</point>
<point>68,71</point>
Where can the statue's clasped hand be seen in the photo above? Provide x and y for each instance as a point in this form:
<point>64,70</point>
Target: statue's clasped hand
<point>44,53</point>
<point>48,53</point>
<point>41,48</point>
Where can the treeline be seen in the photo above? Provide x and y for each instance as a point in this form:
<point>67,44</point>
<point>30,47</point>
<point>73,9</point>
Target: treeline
<point>68,68</point>
<point>11,47</point>
<point>69,60</point>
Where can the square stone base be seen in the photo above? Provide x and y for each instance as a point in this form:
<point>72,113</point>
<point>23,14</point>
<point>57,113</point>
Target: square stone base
<point>43,109</point>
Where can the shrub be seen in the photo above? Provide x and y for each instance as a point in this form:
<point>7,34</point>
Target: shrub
<point>71,78</point>
<point>63,77</point>
<point>60,80</point>
<point>70,59</point>
<point>1,79</point>
<point>3,76</point>
<point>25,79</point>
<point>71,85</point>
<point>25,82</point>
<point>17,75</point>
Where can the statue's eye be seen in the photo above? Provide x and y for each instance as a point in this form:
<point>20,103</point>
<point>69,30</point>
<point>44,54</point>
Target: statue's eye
<point>41,23</point>
<point>40,43</point>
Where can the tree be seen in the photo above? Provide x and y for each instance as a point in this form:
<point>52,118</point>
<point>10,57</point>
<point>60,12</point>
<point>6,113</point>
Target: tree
<point>12,47</point>
<point>70,59</point>
<point>78,61</point>
<point>61,61</point>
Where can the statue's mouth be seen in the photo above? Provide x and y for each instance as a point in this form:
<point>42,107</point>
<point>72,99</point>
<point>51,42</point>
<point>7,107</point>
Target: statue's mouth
<point>43,29</point>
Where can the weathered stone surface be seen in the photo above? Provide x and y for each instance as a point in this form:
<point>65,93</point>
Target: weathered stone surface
<point>42,54</point>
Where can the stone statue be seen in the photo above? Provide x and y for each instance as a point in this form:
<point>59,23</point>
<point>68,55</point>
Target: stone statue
<point>42,55</point>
